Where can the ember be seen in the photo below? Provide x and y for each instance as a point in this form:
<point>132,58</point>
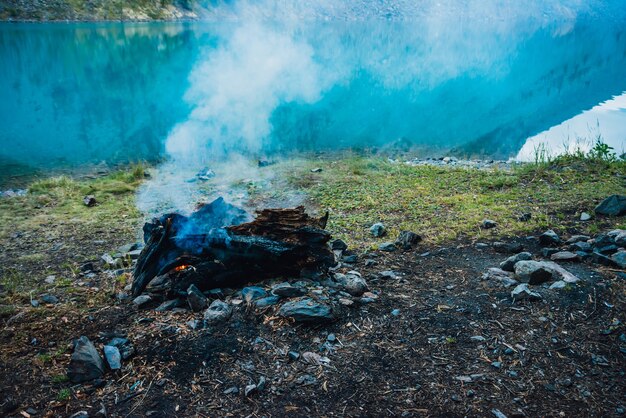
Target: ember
<point>217,246</point>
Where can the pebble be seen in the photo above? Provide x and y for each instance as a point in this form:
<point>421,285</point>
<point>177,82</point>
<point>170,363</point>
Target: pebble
<point>488,224</point>
<point>522,292</point>
<point>585,217</point>
<point>217,312</point>
<point>249,390</point>
<point>387,246</point>
<point>142,300</point>
<point>395,312</point>
<point>331,338</point>
<point>251,293</point>
<point>549,238</point>
<point>233,390</point>
<point>496,364</point>
<point>306,310</point>
<point>478,338</point>
<point>293,355</point>
<point>378,230</point>
<point>50,279</point>
<point>113,357</point>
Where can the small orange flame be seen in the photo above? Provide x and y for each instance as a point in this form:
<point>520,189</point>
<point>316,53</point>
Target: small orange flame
<point>181,267</point>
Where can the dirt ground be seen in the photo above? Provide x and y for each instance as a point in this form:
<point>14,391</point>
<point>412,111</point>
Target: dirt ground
<point>410,352</point>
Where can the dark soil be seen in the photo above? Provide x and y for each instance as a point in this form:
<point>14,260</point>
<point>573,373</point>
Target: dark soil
<point>557,357</point>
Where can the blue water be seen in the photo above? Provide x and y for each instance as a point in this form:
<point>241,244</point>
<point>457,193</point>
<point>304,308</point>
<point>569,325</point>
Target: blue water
<point>478,83</point>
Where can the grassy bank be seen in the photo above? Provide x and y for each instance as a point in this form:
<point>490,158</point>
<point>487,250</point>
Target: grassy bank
<point>90,10</point>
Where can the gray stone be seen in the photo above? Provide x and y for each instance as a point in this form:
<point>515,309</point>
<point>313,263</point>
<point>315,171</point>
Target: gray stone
<point>387,246</point>
<point>388,274</point>
<point>525,217</point>
<point>286,290</point>
<point>378,230</point>
<point>90,200</point>
<point>218,312</point>
<point>522,292</point>
<point>508,248</point>
<point>614,205</point>
<point>488,224</point>
<point>50,279</point>
<point>251,293</point>
<point>619,258</point>
<point>509,263</point>
<point>549,239</point>
<point>306,310</point>
<point>249,390</point>
<point>620,239</point>
<point>581,246</point>
<point>504,277</point>
<point>49,299</point>
<point>477,338</point>
<point>607,249</point>
<point>293,355</point>
<point>350,259</point>
<point>338,245</point>
<point>547,252</point>
<point>564,256</point>
<point>481,245</point>
<point>85,363</point>
<point>532,272</point>
<point>233,390</point>
<point>266,301</point>
<point>142,300</point>
<point>407,239</point>
<point>395,312</point>
<point>352,282</point>
<point>113,357</point>
<point>168,305</point>
<point>585,217</point>
<point>558,285</point>
<point>80,414</point>
<point>193,324</point>
<point>578,238</point>
<point>196,299</point>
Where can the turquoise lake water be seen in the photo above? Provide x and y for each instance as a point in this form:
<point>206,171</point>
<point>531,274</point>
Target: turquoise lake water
<point>482,84</point>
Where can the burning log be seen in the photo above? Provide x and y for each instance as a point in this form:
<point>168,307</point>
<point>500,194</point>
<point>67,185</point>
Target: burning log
<point>219,245</point>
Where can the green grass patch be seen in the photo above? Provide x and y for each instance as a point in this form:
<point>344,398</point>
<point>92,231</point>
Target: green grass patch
<point>63,395</point>
<point>444,203</point>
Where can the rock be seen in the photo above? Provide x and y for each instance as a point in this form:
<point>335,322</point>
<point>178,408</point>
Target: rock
<point>266,301</point>
<point>508,248</point>
<point>620,239</point>
<point>558,285</point>
<point>585,217</point>
<point>113,357</point>
<point>577,238</point>
<point>504,277</point>
<point>603,259</point>
<point>498,414</point>
<point>395,312</point>
<point>614,205</point>
<point>481,245</point>
<point>387,246</point>
<point>261,384</point>
<point>619,258</point>
<point>306,310</point>
<point>249,390</point>
<point>580,246</point>
<point>34,303</point>
<point>350,259</point>
<point>532,272</point>
<point>80,414</point>
<point>108,260</point>
<point>293,355</point>
<point>50,279</point>
<point>478,338</point>
<point>49,299</point>
<point>522,292</point>
<point>549,239</point>
<point>233,390</point>
<point>316,170</point>
<point>332,338</point>
<point>388,275</point>
<point>217,312</point>
<point>89,200</point>
<point>607,249</point>
<point>142,300</point>
<point>378,230</point>
<point>496,364</point>
<point>509,263</point>
<point>85,364</point>
<point>286,290</point>
<point>525,217</point>
<point>168,305</point>
<point>346,302</point>
<point>338,245</point>
<point>602,240</point>
<point>352,282</point>
<point>193,324</point>
<point>407,239</point>
<point>488,224</point>
<point>547,252</point>
<point>564,256</point>
<point>251,293</point>
<point>196,299</point>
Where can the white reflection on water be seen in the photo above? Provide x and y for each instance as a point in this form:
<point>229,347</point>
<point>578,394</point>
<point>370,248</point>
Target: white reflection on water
<point>605,122</point>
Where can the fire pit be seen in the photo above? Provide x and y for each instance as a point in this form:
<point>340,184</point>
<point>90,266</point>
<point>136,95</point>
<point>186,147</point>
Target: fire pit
<point>220,245</point>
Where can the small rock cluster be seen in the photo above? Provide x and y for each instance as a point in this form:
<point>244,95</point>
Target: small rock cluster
<point>13,193</point>
<point>86,364</point>
<point>521,270</point>
<point>455,162</point>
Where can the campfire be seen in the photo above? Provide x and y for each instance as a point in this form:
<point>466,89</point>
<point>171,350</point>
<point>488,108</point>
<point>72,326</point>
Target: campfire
<point>220,245</point>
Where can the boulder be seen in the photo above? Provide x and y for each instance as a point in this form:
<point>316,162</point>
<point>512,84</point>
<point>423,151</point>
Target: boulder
<point>619,258</point>
<point>142,300</point>
<point>306,310</point>
<point>509,263</point>
<point>549,239</point>
<point>378,230</point>
<point>217,312</point>
<point>580,246</point>
<point>196,299</point>
<point>614,205</point>
<point>532,272</point>
<point>407,239</point>
<point>85,363</point>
